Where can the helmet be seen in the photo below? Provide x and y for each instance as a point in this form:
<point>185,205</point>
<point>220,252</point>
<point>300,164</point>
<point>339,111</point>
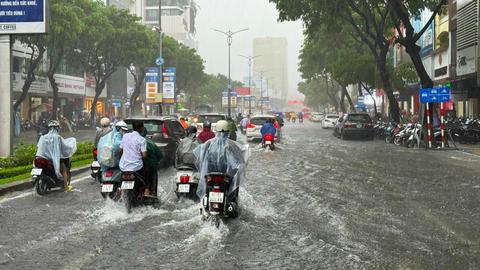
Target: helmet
<point>121,125</point>
<point>222,126</point>
<point>104,122</point>
<point>191,130</point>
<point>207,124</point>
<point>53,124</point>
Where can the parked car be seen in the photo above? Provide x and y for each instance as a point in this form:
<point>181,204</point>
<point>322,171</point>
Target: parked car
<point>355,125</point>
<point>213,118</point>
<point>329,120</point>
<point>166,132</point>
<point>255,125</point>
<point>317,117</point>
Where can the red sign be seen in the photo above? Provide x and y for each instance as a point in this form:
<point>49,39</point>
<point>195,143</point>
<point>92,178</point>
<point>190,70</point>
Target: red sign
<point>293,102</point>
<point>242,91</point>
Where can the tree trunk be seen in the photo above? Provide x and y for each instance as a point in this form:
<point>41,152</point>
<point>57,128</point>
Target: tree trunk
<point>54,85</point>
<point>139,78</point>
<point>349,99</point>
<point>93,109</point>
<point>34,63</point>
<point>342,102</point>
<point>394,110</point>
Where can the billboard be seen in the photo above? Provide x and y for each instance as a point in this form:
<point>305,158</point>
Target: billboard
<point>169,80</point>
<point>152,78</point>
<point>22,16</point>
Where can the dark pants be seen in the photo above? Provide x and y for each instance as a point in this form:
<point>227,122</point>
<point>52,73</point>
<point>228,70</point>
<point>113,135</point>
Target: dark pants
<point>150,177</point>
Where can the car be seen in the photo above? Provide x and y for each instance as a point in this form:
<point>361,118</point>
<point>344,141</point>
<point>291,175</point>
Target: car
<point>166,132</point>
<point>317,117</point>
<point>255,125</point>
<point>212,117</point>
<point>355,125</point>
<point>330,120</point>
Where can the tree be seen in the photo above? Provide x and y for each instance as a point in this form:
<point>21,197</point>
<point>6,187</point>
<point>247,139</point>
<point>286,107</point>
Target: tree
<point>105,40</point>
<point>369,22</point>
<point>65,28</point>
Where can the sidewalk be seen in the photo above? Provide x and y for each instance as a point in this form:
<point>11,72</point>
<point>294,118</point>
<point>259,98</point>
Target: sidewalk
<point>30,137</point>
<point>470,148</point>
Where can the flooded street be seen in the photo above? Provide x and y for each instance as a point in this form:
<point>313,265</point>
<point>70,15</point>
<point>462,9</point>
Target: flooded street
<point>314,203</point>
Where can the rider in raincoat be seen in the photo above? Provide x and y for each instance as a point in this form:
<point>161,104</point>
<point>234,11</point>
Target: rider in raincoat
<point>223,155</point>
<point>58,150</point>
<point>184,154</point>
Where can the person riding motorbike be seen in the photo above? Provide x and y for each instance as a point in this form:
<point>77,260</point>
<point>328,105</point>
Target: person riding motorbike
<point>184,154</point>
<point>206,133</point>
<point>244,123</point>
<point>268,128</point>
<point>58,150</point>
<point>150,164</point>
<point>232,127</point>
<point>133,150</point>
<point>221,155</point>
<point>103,130</point>
<point>108,146</point>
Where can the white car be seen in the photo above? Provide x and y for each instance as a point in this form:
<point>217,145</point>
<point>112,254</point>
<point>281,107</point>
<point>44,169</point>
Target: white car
<point>330,120</point>
<point>255,125</point>
<point>213,118</point>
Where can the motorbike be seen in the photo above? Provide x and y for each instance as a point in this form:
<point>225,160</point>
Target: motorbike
<point>268,140</point>
<point>111,180</point>
<point>415,136</point>
<point>132,190</point>
<point>95,167</point>
<point>187,182</point>
<point>217,203</point>
<point>44,177</point>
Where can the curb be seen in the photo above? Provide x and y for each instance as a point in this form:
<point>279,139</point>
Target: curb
<point>27,183</point>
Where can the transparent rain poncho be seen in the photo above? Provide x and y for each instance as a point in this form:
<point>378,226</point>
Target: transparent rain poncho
<point>184,154</point>
<point>221,155</point>
<point>53,147</point>
<point>108,149</point>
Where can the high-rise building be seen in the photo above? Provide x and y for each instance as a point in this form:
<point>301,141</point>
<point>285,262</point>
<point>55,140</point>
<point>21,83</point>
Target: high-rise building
<point>272,65</point>
<point>178,18</point>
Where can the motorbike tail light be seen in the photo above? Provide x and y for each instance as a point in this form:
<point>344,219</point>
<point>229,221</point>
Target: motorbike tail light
<point>95,152</point>
<point>250,125</point>
<point>348,125</point>
<point>128,176</point>
<point>216,190</point>
<point>268,137</point>
<point>42,163</point>
<point>109,173</point>
<point>184,178</point>
<point>215,178</point>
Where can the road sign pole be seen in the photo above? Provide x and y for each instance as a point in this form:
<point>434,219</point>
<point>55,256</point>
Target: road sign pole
<point>429,127</point>
<point>442,123</point>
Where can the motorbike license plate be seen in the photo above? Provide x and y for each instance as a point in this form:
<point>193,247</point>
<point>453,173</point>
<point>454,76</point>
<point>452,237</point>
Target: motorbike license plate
<point>215,197</point>
<point>36,171</point>
<point>359,125</point>
<point>107,188</point>
<point>95,164</point>
<point>184,188</point>
<point>268,142</point>
<point>128,184</point>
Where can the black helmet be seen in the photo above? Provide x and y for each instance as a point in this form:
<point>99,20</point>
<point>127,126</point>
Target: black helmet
<point>191,130</point>
<point>207,124</point>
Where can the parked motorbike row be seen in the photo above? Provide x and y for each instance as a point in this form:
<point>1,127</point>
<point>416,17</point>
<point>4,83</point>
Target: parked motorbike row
<point>464,130</point>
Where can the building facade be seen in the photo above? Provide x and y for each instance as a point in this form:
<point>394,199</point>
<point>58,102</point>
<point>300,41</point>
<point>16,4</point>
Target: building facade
<point>272,66</point>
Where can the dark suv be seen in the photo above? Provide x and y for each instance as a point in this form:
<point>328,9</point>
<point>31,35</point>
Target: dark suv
<point>166,132</point>
<point>354,125</point>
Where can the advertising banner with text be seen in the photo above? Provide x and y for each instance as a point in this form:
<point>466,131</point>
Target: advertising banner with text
<point>22,16</point>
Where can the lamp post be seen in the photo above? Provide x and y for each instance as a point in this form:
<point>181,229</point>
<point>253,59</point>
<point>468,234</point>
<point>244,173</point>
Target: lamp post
<point>229,35</point>
<point>250,59</point>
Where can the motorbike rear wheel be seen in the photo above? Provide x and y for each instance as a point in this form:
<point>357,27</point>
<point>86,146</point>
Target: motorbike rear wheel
<point>272,147</point>
<point>127,199</point>
<point>41,186</point>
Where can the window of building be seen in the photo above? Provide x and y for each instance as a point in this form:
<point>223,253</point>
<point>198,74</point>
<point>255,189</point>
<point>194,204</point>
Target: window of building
<point>151,15</point>
<point>17,64</point>
<point>152,3</point>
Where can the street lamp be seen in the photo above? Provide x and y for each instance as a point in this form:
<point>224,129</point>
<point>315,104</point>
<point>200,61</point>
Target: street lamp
<point>229,35</point>
<point>250,59</point>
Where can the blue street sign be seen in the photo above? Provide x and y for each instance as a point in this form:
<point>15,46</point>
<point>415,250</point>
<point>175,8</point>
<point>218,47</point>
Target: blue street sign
<point>439,94</point>
<point>159,61</point>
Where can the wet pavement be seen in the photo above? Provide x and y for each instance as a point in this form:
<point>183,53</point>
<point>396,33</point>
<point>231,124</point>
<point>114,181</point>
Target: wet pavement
<point>315,203</point>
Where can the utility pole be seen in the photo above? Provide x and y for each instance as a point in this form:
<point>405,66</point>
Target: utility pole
<point>5,97</point>
<point>250,60</point>
<point>261,92</point>
<point>160,87</point>
<point>229,35</point>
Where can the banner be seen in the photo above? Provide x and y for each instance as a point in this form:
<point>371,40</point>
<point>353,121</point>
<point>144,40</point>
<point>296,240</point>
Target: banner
<point>152,77</point>
<point>22,17</point>
<point>169,80</point>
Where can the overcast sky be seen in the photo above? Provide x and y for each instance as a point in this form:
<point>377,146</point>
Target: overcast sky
<point>260,17</point>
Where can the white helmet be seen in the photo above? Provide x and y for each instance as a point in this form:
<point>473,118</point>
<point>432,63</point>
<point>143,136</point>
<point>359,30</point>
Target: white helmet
<point>105,122</point>
<point>122,125</point>
<point>53,124</point>
<point>222,126</point>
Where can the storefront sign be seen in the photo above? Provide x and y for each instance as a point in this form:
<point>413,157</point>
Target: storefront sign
<point>69,84</point>
<point>466,61</point>
<point>233,99</point>
<point>22,16</point>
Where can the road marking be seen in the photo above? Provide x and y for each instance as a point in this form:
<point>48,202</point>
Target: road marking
<point>32,192</point>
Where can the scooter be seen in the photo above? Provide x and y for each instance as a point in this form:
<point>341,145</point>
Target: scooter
<point>217,203</point>
<point>111,180</point>
<point>268,140</point>
<point>132,191</point>
<point>95,167</point>
<point>186,179</point>
<point>44,177</point>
